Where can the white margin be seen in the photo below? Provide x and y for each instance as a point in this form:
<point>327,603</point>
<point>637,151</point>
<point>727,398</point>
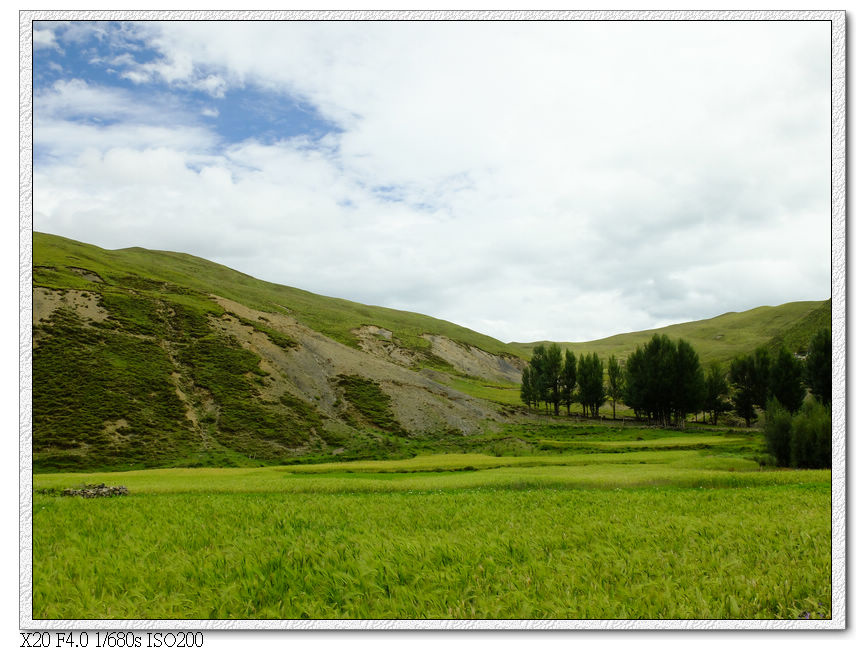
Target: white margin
<point>838,621</point>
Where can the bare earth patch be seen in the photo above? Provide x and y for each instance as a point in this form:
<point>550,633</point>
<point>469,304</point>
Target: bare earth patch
<point>476,362</point>
<point>84,303</point>
<point>310,371</point>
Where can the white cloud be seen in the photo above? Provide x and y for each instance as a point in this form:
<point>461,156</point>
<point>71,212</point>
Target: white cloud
<point>44,38</point>
<point>554,180</point>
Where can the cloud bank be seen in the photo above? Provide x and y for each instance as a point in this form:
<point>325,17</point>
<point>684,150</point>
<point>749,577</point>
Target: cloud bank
<point>530,180</point>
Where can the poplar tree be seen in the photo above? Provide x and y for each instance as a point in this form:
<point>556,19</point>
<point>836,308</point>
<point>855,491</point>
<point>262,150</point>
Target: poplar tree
<point>569,379</point>
<point>746,383</point>
<point>527,388</point>
<point>717,391</point>
<point>785,380</point>
<point>552,375</point>
<point>688,385</point>
<point>590,377</point>
<point>615,381</point>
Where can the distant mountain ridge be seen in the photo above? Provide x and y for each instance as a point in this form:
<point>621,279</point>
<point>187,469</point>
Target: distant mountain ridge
<point>723,337</point>
<point>152,358</point>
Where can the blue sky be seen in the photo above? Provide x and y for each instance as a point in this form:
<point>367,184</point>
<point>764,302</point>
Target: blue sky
<point>104,55</point>
<point>530,180</point>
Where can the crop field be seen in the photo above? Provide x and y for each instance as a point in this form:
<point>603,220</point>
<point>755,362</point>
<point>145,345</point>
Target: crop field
<point>683,528</point>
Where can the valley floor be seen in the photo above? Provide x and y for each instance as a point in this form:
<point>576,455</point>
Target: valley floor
<point>592,532</point>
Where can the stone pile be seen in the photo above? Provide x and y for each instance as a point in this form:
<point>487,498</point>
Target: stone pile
<point>93,491</point>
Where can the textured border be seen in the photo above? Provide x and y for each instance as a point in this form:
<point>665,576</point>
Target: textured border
<point>25,323</point>
<point>838,24</point>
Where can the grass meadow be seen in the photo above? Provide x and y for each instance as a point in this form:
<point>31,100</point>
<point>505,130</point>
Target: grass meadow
<point>656,533</point>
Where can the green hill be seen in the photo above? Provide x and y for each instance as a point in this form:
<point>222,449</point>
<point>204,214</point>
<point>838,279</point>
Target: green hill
<point>150,358</point>
<point>154,359</point>
<point>55,259</point>
<point>723,337</point>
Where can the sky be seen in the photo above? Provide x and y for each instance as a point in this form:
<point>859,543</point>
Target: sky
<point>529,180</point>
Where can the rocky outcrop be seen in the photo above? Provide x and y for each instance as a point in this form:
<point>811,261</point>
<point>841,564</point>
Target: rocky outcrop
<point>476,362</point>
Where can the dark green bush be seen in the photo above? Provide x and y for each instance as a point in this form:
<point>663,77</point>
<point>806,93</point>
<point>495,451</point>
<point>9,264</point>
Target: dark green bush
<point>811,437</point>
<point>803,440</point>
<point>371,401</point>
<point>779,424</point>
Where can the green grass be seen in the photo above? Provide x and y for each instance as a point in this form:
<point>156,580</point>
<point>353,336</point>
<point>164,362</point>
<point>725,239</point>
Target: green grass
<point>87,378</point>
<point>520,543</point>
<point>669,443</point>
<point>501,393</point>
<point>682,468</point>
<point>797,337</point>
<point>636,534</point>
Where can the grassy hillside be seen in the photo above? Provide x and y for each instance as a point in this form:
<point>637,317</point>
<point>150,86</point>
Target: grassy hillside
<point>138,364</point>
<point>54,258</point>
<point>798,335</point>
<point>723,337</point>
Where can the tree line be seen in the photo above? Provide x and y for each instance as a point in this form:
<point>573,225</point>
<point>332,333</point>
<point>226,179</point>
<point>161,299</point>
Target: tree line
<point>664,381</point>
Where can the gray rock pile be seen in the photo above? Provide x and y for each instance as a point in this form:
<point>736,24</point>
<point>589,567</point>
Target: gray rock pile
<point>93,491</point>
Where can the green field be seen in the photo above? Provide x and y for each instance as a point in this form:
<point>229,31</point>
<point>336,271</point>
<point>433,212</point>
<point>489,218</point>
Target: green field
<point>657,533</point>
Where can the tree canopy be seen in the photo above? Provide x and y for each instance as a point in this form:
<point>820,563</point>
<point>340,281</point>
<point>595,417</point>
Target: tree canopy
<point>664,379</point>
<point>818,366</point>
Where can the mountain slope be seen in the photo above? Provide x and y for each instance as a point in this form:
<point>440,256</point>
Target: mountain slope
<point>54,259</point>
<point>723,337</point>
<point>151,358</point>
<point>144,359</point>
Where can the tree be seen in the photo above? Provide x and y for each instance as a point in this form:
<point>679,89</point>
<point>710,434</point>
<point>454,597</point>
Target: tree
<point>777,430</point>
<point>527,388</point>
<point>802,440</point>
<point>582,383</point>
<point>552,374</point>
<point>785,380</point>
<point>597,395</point>
<point>615,381</point>
<point>742,378</point>
<point>818,366</point>
<point>688,386</point>
<point>717,390</point>
<point>590,377</point>
<point>537,374</point>
<point>664,379</point>
<point>569,379</point>
<point>649,379</point>
<point>763,369</point>
<point>749,377</point>
<point>811,437</point>
<point>634,391</point>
